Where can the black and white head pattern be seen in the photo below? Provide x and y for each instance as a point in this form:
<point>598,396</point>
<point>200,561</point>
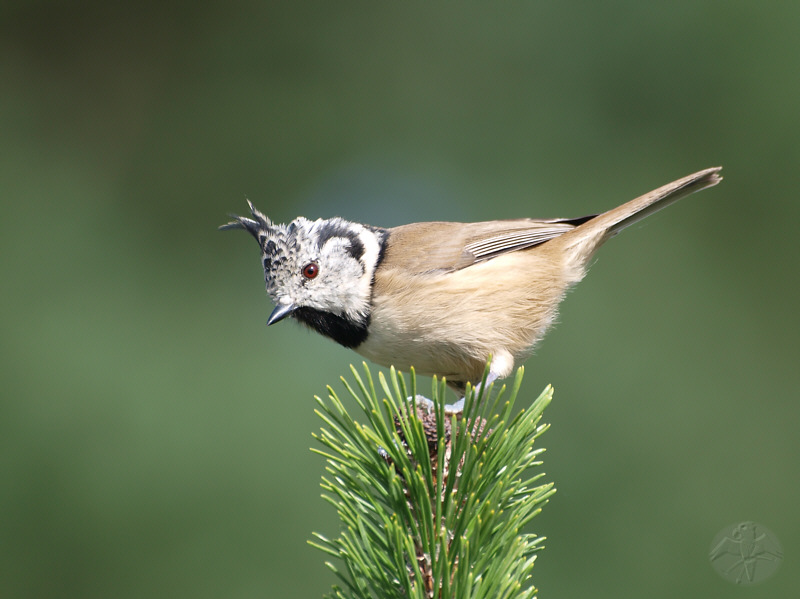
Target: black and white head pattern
<point>321,270</point>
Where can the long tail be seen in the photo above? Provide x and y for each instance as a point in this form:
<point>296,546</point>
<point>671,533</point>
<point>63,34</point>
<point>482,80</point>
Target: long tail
<point>584,240</point>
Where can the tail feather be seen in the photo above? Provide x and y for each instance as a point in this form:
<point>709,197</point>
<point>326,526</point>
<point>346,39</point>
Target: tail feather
<point>586,238</point>
<point>642,207</point>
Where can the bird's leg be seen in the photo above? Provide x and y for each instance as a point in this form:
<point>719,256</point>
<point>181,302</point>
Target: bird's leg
<point>422,402</point>
<point>454,408</point>
<point>458,407</point>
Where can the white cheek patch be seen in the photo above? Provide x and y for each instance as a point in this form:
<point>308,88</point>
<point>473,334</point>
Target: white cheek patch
<point>343,288</point>
<point>338,250</point>
<point>348,280</point>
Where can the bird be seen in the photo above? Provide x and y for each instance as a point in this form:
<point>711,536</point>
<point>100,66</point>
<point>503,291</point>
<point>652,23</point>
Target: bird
<point>442,297</point>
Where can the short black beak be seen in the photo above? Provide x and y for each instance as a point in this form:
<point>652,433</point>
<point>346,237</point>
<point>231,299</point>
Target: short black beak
<point>280,312</point>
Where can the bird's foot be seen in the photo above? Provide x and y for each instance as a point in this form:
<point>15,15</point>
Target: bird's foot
<point>458,407</point>
<point>423,403</point>
<point>426,405</point>
<point>453,409</point>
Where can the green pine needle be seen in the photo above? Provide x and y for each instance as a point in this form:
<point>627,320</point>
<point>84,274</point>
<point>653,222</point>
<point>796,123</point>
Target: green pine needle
<point>431,505</point>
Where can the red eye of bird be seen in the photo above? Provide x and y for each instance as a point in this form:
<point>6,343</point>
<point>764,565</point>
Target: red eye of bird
<point>311,270</point>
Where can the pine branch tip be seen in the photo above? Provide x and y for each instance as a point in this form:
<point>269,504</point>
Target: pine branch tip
<point>453,478</point>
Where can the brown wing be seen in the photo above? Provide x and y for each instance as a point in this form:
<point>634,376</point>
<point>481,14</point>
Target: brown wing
<point>425,247</point>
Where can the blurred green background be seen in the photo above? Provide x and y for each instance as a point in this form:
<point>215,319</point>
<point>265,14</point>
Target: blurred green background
<point>154,435</point>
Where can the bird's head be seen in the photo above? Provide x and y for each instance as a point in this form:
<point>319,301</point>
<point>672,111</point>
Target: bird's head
<point>316,269</point>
